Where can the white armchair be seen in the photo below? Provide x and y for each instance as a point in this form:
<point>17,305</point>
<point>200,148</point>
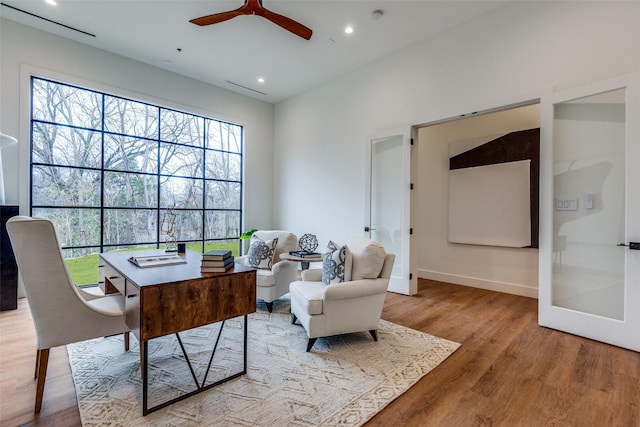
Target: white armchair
<point>274,283</point>
<point>340,308</point>
<point>62,314</point>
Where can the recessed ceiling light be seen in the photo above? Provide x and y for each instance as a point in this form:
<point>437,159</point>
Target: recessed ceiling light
<point>260,80</point>
<point>51,2</point>
<point>348,30</point>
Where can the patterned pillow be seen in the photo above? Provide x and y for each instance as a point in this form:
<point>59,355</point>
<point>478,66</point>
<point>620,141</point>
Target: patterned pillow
<point>261,253</point>
<point>336,264</point>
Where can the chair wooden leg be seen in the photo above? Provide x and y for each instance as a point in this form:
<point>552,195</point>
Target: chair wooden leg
<point>269,306</point>
<point>374,334</point>
<point>43,360</point>
<point>35,375</point>
<point>126,341</point>
<point>293,319</point>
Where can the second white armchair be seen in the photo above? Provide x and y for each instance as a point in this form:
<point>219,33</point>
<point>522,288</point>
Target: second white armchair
<point>273,275</point>
<point>341,306</point>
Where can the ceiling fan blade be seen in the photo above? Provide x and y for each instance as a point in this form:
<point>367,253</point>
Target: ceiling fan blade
<point>218,17</point>
<point>254,7</point>
<point>286,23</point>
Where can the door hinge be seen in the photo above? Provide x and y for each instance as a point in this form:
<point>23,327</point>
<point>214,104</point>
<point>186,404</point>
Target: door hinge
<point>410,276</point>
<point>411,231</point>
<point>411,186</point>
<point>411,141</point>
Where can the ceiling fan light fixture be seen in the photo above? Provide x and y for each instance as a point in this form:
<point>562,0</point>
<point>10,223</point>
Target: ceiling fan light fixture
<point>348,29</point>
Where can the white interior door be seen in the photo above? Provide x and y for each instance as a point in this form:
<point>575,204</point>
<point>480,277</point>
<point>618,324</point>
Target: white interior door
<point>388,216</point>
<point>589,208</point>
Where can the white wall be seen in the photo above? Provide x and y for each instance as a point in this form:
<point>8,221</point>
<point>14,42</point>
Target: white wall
<point>489,267</point>
<point>516,53</point>
<point>24,49</point>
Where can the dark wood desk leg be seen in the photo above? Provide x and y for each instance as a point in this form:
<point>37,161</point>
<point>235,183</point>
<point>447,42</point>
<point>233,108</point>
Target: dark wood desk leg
<point>143,368</point>
<point>246,334</point>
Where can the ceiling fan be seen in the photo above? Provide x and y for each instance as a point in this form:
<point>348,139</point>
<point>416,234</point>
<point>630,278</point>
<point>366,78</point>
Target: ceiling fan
<point>254,7</point>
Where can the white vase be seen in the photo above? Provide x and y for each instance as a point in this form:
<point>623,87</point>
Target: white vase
<point>5,140</point>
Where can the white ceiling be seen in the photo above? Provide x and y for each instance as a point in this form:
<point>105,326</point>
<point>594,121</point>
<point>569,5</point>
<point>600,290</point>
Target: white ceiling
<point>247,47</point>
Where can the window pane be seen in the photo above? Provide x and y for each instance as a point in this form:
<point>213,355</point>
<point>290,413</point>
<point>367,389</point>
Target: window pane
<point>180,160</point>
<point>223,195</point>
<point>60,186</point>
<point>74,227</point>
<point>181,127</point>
<point>130,117</point>
<point>181,192</point>
<point>122,226</point>
<point>232,245</point>
<point>53,102</point>
<point>82,264</point>
<point>221,224</point>
<point>223,165</point>
<point>67,146</point>
<point>188,225</point>
<point>130,190</point>
<point>104,169</point>
<point>130,154</point>
<point>224,136</point>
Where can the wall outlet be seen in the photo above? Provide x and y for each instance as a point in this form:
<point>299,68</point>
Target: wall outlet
<point>567,204</point>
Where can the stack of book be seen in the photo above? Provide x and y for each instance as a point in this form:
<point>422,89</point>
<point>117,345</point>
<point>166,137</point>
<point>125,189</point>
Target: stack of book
<point>216,261</point>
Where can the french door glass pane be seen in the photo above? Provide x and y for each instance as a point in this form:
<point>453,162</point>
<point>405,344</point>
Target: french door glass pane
<point>589,205</point>
<point>386,197</point>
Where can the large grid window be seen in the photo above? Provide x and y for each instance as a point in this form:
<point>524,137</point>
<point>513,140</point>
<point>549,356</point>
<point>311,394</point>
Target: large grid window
<point>106,170</point>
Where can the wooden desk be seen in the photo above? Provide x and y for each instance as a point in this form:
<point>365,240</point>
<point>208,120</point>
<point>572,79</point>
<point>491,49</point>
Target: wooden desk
<point>169,299</point>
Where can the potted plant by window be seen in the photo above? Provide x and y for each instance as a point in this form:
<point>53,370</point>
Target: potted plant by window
<point>247,235</point>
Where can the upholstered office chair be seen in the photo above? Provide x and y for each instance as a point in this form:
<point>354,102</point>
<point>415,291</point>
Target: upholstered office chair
<point>273,275</point>
<point>352,301</point>
<point>60,313</point>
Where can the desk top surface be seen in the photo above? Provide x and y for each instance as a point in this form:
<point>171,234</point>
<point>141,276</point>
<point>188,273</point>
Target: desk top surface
<point>162,274</point>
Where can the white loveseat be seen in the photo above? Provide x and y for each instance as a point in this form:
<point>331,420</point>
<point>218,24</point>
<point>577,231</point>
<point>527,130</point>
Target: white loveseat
<point>353,305</point>
<point>273,283</point>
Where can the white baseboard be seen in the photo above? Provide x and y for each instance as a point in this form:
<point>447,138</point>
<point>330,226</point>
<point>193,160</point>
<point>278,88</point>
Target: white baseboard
<point>509,288</point>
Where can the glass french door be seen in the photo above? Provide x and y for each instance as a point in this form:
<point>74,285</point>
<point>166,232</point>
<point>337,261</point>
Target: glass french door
<point>389,203</point>
<point>590,211</point>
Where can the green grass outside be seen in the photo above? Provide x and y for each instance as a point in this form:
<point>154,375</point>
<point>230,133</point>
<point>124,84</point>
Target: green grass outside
<point>84,270</point>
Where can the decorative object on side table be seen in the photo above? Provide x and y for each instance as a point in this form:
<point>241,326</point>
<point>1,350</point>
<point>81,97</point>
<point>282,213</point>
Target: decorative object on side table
<point>308,243</point>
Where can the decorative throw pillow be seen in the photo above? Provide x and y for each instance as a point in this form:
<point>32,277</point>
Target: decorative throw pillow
<point>261,253</point>
<point>367,258</point>
<point>336,264</point>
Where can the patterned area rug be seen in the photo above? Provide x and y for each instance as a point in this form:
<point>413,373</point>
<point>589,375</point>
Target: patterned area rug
<point>345,380</point>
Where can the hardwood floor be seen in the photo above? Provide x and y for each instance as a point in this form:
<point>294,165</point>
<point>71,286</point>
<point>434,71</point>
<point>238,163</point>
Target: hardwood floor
<point>508,371</point>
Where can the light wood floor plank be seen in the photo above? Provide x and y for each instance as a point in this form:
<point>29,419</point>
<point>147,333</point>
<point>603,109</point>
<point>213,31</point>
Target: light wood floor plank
<point>508,372</point>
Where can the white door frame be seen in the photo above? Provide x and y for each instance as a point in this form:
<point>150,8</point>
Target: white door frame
<point>624,333</point>
<point>407,283</point>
